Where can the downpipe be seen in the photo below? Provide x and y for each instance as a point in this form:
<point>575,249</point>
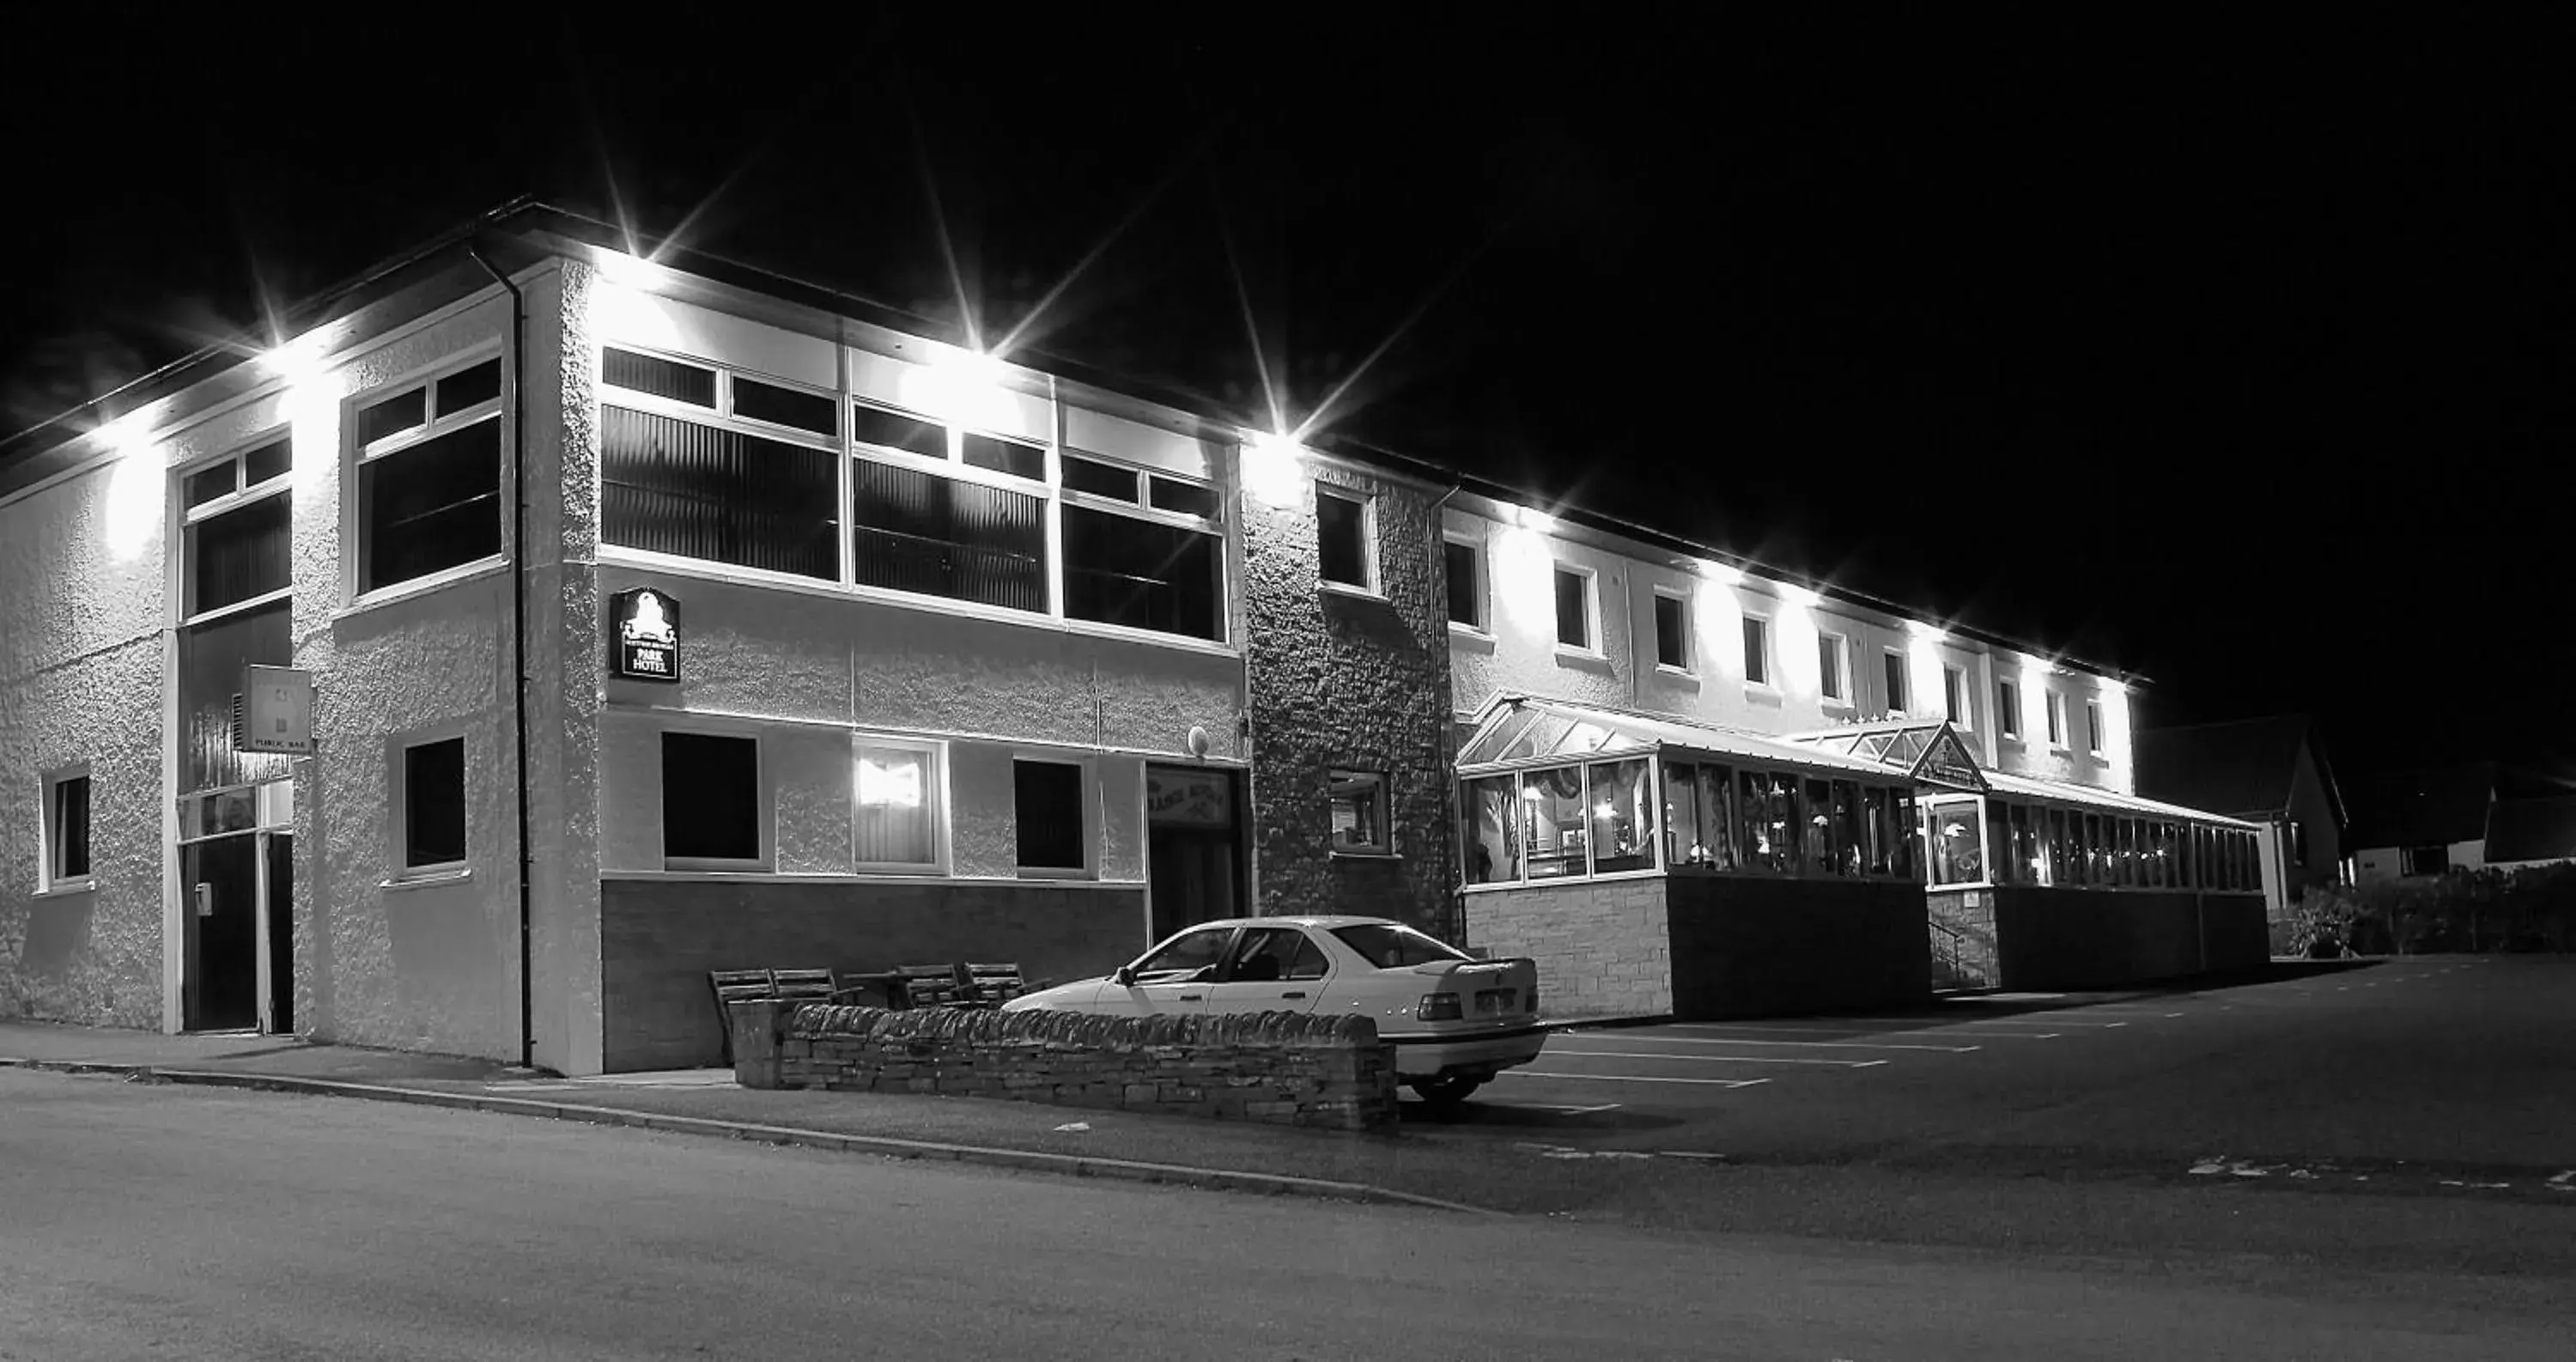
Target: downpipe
<point>519,635</point>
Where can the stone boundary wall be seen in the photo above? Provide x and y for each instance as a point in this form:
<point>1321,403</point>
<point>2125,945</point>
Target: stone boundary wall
<point>1283,1067</point>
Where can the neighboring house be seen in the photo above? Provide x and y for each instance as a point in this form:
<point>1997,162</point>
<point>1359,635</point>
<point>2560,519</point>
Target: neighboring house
<point>2529,832</point>
<point>2272,772</point>
<point>2410,824</point>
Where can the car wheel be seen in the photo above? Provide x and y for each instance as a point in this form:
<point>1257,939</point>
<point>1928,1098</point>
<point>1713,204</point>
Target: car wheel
<point>1444,1095</point>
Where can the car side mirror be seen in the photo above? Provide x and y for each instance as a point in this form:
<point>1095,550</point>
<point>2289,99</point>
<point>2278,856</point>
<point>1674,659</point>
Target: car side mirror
<point>1124,976</point>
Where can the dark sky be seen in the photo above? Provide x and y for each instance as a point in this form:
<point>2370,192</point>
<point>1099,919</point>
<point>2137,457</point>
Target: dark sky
<point>2240,364</point>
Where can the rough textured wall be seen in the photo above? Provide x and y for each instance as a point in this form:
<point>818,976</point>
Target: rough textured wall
<point>1279,1067</point>
<point>1603,948</point>
<point>420,967</point>
<point>1751,946</point>
<point>659,938</point>
<point>1350,682</point>
<point>81,573</point>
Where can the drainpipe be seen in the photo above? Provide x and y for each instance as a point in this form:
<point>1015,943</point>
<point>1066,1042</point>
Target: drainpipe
<point>519,634</point>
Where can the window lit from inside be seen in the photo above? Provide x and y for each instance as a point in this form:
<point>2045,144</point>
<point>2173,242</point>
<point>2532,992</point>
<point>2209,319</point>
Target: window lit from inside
<point>711,801</point>
<point>898,795</point>
<point>1341,537</point>
<point>433,806</point>
<point>429,477</point>
<point>1047,806</point>
<point>1359,822</point>
<point>66,859</point>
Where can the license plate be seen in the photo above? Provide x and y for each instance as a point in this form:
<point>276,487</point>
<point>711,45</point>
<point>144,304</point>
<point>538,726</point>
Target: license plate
<point>1494,1001</point>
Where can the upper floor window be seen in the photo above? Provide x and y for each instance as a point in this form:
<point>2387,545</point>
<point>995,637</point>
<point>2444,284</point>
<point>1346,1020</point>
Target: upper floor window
<point>2056,705</point>
<point>1899,699</point>
<point>429,476</point>
<point>1466,566</point>
<point>1672,630</point>
<point>1757,651</point>
<point>238,515</point>
<point>1832,650</point>
<point>2093,727</point>
<point>2007,708</point>
<point>1954,696</point>
<point>1343,552</point>
<point>1574,613</point>
<point>63,858</point>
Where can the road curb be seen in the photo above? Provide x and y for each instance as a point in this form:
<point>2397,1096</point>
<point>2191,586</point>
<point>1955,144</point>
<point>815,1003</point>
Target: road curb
<point>1026,1160</point>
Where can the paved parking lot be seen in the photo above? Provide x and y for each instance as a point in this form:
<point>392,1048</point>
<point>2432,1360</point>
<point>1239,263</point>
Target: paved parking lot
<point>2441,1071</point>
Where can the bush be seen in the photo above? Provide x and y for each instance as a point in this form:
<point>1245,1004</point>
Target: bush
<point>2531,909</point>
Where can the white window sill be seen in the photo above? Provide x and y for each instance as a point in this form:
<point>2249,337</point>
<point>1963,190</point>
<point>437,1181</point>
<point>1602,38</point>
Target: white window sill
<point>242,607</point>
<point>1350,592</point>
<point>712,865</point>
<point>1670,672</point>
<point>1582,657</point>
<point>1055,876</point>
<point>1836,705</point>
<point>1364,854</point>
<point>1762,693</point>
<point>427,877</point>
<point>1462,629</point>
<point>422,586</point>
<point>2011,740</point>
<point>63,889</point>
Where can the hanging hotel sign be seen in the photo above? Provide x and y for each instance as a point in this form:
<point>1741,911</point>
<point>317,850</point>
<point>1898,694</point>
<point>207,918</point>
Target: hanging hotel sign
<point>1187,797</point>
<point>1945,761</point>
<point>274,711</point>
<point>644,635</point>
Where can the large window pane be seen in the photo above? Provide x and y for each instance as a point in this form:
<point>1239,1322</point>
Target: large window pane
<point>1622,817</point>
<point>1883,832</point>
<point>1768,803</point>
<point>1555,800</point>
<point>1906,855</point>
<point>1493,830</point>
<point>434,505</point>
<point>678,487</point>
<point>898,793</point>
<point>919,531</point>
<point>1848,841</point>
<point>1143,574</point>
<point>1958,842</point>
<point>710,797</point>
<point>1817,817</point>
<point>239,554</point>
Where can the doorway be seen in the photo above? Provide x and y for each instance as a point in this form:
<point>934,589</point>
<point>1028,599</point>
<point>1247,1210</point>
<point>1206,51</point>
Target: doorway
<point>1194,858</point>
<point>237,896</point>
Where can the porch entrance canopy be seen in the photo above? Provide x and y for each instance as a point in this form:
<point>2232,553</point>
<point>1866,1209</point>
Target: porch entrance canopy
<point>1521,731</point>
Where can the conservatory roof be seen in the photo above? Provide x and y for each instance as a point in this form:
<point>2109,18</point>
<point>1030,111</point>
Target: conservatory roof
<point>1522,731</point>
<point>1927,752</point>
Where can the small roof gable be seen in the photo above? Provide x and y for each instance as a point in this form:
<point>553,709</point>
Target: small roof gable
<point>2246,768</point>
<point>2532,830</point>
<point>2433,807</point>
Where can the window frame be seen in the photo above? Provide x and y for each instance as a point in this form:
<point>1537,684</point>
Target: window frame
<point>764,800</point>
<point>1769,680</point>
<point>1957,710</point>
<point>1839,644</point>
<point>244,495</point>
<point>1089,816</point>
<point>1591,579</point>
<point>399,868</point>
<point>1370,583</point>
<point>50,843</point>
<point>2007,708</point>
<point>354,537</point>
<point>1384,847</point>
<point>1681,597</point>
<point>2055,705</point>
<point>936,793</point>
<point>2093,745</point>
<point>1899,680</point>
<point>1474,544</point>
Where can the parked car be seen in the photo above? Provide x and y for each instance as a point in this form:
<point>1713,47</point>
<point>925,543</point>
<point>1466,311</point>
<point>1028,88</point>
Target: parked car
<point>1455,1021</point>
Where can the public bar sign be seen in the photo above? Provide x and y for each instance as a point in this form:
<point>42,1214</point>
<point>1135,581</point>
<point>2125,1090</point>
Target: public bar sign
<point>644,630</point>
<point>1189,797</point>
<point>1946,762</point>
<point>274,712</point>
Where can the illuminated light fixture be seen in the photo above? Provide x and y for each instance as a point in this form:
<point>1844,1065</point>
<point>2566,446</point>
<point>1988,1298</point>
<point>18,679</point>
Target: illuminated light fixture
<point>1274,468</point>
<point>298,361</point>
<point>1533,520</point>
<point>1724,574</point>
<point>2114,685</point>
<point>631,271</point>
<point>134,490</point>
<point>1805,598</point>
<point>1928,632</point>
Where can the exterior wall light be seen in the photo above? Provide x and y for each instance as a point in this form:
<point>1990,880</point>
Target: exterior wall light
<point>1805,598</point>
<point>1721,573</point>
<point>1533,520</point>
<point>134,488</point>
<point>1926,632</point>
<point>1274,468</point>
<point>630,271</point>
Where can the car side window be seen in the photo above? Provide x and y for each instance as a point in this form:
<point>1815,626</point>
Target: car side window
<point>1309,961</point>
<point>1266,954</point>
<point>1184,954</point>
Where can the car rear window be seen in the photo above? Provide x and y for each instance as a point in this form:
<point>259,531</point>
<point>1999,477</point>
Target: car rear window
<point>1388,946</point>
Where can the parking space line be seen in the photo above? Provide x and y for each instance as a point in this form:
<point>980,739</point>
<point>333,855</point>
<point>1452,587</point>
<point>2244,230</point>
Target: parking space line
<point>1718,1059</point>
<point>1800,1044</point>
<point>1635,1078</point>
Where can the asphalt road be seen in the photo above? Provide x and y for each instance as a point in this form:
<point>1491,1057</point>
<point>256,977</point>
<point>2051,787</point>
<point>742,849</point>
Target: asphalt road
<point>144,1221</point>
<point>2435,1071</point>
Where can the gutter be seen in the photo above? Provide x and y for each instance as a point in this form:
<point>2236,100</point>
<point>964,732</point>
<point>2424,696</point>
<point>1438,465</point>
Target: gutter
<point>519,633</point>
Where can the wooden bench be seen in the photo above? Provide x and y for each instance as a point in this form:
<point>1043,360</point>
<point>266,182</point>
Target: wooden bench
<point>762,985</point>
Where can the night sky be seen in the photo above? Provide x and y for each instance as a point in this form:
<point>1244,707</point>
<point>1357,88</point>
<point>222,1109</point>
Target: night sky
<point>2243,369</point>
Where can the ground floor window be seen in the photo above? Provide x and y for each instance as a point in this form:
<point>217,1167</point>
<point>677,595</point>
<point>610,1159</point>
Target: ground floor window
<point>711,799</point>
<point>65,854</point>
<point>1358,812</point>
<point>1047,808</point>
<point>1958,841</point>
<point>433,806</point>
<point>899,801</point>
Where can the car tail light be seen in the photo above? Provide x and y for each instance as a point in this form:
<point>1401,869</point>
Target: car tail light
<point>1437,1007</point>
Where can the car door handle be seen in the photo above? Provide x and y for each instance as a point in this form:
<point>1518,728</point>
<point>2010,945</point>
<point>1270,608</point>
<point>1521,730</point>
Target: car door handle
<point>1192,997</point>
<point>1295,993</point>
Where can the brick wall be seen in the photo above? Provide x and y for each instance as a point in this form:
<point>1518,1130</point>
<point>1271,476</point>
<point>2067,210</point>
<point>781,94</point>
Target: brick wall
<point>658,939</point>
<point>1281,1067</point>
<point>1603,948</point>
<point>1344,681</point>
<point>1748,946</point>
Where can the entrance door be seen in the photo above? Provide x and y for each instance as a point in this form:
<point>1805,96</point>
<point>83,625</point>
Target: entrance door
<point>219,880</point>
<point>1193,847</point>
